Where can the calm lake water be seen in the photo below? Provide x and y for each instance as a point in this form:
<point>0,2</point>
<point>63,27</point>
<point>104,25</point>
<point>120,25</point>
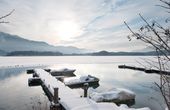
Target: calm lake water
<point>16,95</point>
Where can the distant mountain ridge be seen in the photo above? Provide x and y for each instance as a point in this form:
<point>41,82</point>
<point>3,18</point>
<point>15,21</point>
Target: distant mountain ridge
<point>33,53</point>
<point>13,45</point>
<point>106,53</point>
<point>2,52</point>
<point>100,53</point>
<point>10,43</point>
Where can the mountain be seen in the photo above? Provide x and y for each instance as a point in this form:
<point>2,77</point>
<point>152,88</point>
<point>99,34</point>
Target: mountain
<point>100,53</point>
<point>10,43</point>
<point>2,53</point>
<point>13,45</point>
<point>33,53</point>
<point>106,53</point>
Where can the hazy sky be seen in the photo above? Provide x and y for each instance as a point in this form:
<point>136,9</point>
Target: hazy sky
<point>91,24</point>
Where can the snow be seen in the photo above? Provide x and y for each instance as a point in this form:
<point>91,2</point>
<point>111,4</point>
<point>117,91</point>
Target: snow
<point>112,94</point>
<point>125,107</point>
<point>62,70</point>
<point>71,100</point>
<point>166,108</point>
<point>107,106</point>
<point>99,106</point>
<point>74,80</point>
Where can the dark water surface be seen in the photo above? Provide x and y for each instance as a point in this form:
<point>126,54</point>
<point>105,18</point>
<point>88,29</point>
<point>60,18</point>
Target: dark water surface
<point>16,95</point>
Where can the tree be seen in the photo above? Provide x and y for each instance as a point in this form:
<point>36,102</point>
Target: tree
<point>157,36</point>
<point>3,17</point>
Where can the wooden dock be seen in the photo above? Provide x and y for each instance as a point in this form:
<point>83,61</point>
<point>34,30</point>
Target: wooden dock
<point>63,97</point>
<point>144,69</point>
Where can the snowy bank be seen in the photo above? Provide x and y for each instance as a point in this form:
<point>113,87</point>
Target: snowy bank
<point>107,106</point>
<point>125,107</point>
<point>114,95</point>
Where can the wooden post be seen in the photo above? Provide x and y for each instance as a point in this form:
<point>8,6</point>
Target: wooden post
<point>56,105</point>
<point>86,86</point>
<point>55,95</point>
<point>34,75</point>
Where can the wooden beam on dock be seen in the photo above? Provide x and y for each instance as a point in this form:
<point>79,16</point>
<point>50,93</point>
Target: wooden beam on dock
<point>144,69</point>
<point>30,71</point>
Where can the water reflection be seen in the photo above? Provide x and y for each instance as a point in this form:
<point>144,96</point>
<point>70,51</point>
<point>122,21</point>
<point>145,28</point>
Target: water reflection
<point>7,73</point>
<point>13,72</point>
<point>15,93</point>
<point>139,82</point>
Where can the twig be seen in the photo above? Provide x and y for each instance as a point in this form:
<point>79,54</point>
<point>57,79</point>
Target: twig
<point>6,16</point>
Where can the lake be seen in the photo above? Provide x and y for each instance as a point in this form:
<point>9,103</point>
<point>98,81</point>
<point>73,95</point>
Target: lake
<point>16,95</point>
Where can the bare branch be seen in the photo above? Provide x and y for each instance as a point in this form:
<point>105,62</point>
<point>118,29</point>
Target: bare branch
<point>157,36</point>
<point>6,16</point>
<point>146,40</point>
<point>163,6</point>
<point>154,31</point>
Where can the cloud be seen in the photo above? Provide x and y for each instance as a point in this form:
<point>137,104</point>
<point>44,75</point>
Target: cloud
<point>98,24</point>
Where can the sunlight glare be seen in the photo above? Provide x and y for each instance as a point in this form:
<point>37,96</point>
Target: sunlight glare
<point>67,29</point>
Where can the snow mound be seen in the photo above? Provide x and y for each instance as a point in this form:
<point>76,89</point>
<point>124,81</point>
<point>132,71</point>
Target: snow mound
<point>125,107</point>
<point>166,108</point>
<point>107,106</point>
<point>62,70</point>
<point>74,80</point>
<point>115,94</point>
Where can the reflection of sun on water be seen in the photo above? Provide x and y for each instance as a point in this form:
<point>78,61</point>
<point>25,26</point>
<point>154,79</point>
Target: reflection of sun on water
<point>67,30</point>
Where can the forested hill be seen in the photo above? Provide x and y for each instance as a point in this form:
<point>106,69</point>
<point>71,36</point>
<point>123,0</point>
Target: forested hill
<point>33,53</point>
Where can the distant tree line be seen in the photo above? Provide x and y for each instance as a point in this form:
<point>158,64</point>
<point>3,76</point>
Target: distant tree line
<point>106,53</point>
<point>34,53</point>
<point>100,53</point>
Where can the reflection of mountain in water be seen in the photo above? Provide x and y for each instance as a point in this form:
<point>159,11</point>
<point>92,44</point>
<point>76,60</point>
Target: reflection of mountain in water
<point>12,72</point>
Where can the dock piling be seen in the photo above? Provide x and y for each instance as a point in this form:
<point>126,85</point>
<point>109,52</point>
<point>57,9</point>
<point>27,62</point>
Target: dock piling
<point>55,95</point>
<point>86,86</point>
<point>56,105</point>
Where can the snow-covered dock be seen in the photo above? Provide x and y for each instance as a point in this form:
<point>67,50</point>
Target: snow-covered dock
<point>64,98</point>
<point>69,99</point>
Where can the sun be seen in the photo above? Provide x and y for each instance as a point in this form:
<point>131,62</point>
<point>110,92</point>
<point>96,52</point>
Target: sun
<point>67,29</point>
